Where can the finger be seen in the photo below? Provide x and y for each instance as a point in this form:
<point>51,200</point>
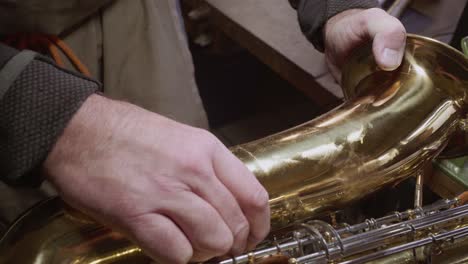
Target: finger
<point>216,194</point>
<point>250,194</point>
<point>161,239</point>
<point>389,38</point>
<point>206,230</point>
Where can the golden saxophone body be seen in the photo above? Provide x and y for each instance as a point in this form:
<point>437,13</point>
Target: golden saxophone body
<point>391,125</point>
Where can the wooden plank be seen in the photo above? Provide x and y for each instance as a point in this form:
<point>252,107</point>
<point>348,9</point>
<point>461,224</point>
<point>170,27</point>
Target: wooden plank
<point>269,30</point>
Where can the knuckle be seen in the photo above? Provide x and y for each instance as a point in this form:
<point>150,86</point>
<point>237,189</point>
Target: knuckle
<point>398,29</point>
<point>120,206</point>
<point>242,228</point>
<point>259,200</point>
<point>212,237</point>
<point>362,21</point>
<point>241,233</point>
<point>374,13</point>
<point>205,145</point>
<point>206,138</point>
<point>194,166</point>
<point>219,246</point>
<point>396,33</point>
<point>395,25</point>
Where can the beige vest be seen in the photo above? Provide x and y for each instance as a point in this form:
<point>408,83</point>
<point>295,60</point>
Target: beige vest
<point>136,48</point>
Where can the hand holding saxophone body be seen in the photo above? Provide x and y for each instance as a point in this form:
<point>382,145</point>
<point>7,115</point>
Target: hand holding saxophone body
<point>349,29</point>
<point>173,189</point>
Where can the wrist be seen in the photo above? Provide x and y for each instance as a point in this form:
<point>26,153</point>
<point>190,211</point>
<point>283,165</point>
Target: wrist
<point>91,127</point>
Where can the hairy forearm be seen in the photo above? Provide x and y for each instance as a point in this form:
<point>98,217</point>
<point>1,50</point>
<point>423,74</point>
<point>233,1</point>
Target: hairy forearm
<point>93,124</point>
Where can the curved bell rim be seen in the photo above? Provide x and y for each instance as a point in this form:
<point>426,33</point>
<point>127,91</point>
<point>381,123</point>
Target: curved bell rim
<point>424,57</point>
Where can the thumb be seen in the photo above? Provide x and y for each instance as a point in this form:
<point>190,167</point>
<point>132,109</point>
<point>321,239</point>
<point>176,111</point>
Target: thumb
<point>389,38</point>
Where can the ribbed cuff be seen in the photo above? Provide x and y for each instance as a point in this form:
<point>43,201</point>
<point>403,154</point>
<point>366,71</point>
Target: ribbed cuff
<point>34,111</point>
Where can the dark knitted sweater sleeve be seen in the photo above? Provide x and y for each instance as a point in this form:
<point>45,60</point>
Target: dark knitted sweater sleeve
<point>37,99</point>
<point>313,14</point>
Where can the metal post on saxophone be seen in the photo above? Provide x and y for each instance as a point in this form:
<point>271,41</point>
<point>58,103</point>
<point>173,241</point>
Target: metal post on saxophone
<point>391,126</point>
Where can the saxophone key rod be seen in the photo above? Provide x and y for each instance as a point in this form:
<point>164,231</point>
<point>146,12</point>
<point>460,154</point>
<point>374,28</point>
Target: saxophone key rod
<point>418,223</point>
<point>377,238</point>
<point>302,242</point>
<point>242,259</point>
<point>453,234</point>
<point>400,216</point>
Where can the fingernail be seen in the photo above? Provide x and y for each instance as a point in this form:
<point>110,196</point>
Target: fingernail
<point>391,59</point>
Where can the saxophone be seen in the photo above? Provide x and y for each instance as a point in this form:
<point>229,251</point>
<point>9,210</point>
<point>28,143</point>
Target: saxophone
<point>390,127</point>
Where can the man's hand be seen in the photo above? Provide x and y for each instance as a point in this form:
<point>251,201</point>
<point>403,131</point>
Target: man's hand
<point>173,189</point>
<point>350,29</point>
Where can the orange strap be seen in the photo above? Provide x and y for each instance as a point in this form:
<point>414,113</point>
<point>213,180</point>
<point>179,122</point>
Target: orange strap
<point>463,198</point>
<point>47,44</point>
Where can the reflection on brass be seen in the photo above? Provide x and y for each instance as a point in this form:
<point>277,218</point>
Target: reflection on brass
<point>275,259</point>
<point>390,125</point>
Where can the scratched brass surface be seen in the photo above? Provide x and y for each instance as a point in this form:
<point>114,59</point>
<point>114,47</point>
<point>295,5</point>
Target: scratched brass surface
<point>389,127</point>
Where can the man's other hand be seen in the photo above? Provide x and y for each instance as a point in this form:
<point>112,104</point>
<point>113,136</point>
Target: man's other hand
<point>173,189</point>
<point>350,29</point>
